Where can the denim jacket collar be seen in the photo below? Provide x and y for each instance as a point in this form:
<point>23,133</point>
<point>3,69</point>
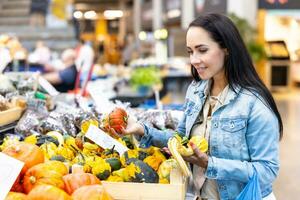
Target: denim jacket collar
<point>202,88</point>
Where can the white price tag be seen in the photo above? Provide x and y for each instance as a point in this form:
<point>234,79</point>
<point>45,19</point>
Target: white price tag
<point>48,87</point>
<point>101,91</point>
<point>104,140</point>
<point>10,169</point>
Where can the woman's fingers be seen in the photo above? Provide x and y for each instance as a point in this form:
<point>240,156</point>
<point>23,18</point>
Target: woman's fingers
<point>165,149</point>
<point>191,159</point>
<point>196,150</point>
<point>125,131</point>
<point>114,133</point>
<point>198,158</point>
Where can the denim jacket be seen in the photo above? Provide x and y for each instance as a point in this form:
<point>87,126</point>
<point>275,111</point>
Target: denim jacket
<point>244,135</point>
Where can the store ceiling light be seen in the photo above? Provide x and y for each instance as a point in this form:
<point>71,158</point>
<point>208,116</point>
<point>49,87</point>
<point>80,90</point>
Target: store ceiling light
<point>161,34</point>
<point>113,14</point>
<point>174,13</point>
<point>90,15</point>
<point>142,35</point>
<point>78,14</point>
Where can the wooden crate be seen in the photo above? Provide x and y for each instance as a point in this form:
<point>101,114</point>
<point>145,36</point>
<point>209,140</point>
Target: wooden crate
<point>10,115</point>
<point>149,191</point>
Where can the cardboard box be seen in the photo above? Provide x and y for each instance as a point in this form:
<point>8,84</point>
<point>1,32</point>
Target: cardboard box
<point>176,190</point>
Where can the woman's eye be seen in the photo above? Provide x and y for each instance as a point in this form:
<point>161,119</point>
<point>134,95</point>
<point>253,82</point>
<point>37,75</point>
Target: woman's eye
<point>202,50</point>
<point>189,52</point>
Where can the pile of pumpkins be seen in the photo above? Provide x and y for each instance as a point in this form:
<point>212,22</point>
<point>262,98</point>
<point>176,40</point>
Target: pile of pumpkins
<point>47,173</point>
<point>50,158</point>
<point>47,180</point>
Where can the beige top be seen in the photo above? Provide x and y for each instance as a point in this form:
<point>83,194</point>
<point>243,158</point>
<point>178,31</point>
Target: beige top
<point>202,126</point>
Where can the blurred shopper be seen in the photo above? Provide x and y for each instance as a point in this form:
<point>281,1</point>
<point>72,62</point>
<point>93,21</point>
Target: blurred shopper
<point>4,53</point>
<point>130,50</point>
<point>64,79</point>
<point>70,9</point>
<point>229,105</point>
<point>38,11</point>
<point>85,56</point>
<point>41,55</point>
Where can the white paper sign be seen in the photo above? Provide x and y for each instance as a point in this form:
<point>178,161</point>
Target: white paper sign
<point>101,91</point>
<point>9,171</point>
<point>104,140</point>
<point>47,87</point>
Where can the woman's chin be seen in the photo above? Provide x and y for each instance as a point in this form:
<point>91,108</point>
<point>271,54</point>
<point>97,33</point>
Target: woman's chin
<point>203,77</point>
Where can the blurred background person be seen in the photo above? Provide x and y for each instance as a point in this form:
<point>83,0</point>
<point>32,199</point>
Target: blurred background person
<point>38,11</point>
<point>4,52</point>
<point>130,50</point>
<point>85,56</point>
<point>64,79</point>
<point>41,55</point>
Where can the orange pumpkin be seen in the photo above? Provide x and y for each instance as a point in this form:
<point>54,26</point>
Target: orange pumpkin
<point>117,119</point>
<point>30,154</point>
<point>17,186</point>
<point>91,192</point>
<point>41,174</point>
<point>75,181</point>
<point>15,196</point>
<point>47,192</point>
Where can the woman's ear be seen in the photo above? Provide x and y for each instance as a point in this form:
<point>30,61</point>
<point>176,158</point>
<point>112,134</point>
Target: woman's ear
<point>226,51</point>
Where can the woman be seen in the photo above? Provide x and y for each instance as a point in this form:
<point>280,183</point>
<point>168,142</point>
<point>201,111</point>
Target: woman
<point>229,105</point>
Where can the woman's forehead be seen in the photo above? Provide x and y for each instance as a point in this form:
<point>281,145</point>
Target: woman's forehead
<point>198,36</point>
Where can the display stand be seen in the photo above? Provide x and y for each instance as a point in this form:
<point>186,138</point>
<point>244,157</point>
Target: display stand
<point>278,66</point>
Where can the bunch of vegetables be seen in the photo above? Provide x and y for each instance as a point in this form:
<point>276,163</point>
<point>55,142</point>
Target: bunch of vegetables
<point>145,76</point>
<point>116,120</point>
<point>51,159</point>
<point>48,163</point>
<point>179,147</point>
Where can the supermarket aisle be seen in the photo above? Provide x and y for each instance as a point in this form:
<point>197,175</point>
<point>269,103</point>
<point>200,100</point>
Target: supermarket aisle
<point>287,184</point>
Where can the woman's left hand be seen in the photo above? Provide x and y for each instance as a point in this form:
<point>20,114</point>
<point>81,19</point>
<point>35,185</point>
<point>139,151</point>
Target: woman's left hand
<point>198,158</point>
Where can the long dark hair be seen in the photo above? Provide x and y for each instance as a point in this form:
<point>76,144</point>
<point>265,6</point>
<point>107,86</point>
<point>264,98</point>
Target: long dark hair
<point>239,69</point>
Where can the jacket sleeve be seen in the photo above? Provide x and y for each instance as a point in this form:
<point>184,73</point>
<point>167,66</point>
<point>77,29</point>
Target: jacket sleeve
<point>262,138</point>
<point>158,138</point>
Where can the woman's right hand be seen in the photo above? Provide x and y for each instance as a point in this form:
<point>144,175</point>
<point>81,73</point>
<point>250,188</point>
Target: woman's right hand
<point>133,127</point>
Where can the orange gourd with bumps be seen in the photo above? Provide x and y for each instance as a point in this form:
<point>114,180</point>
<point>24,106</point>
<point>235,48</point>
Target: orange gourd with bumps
<point>117,120</point>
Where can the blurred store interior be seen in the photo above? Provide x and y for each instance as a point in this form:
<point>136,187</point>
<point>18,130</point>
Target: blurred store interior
<point>134,51</point>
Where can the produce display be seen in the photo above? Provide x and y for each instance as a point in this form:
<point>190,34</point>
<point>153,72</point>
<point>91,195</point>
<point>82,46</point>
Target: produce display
<point>60,162</point>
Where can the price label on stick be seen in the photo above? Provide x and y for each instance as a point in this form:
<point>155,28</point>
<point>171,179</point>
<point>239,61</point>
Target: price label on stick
<point>10,169</point>
<point>104,140</point>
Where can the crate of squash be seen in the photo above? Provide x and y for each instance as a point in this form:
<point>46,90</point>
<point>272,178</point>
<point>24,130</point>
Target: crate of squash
<point>175,190</point>
<point>136,174</point>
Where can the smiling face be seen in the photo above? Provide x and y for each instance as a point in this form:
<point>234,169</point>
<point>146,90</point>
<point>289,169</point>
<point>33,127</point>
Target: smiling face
<point>205,54</point>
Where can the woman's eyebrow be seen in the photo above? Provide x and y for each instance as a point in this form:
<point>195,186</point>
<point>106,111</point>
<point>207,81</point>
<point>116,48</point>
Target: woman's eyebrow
<point>200,45</point>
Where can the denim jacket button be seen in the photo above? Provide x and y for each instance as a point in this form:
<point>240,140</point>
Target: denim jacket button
<point>215,125</point>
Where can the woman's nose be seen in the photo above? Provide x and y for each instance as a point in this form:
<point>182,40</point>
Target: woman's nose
<point>194,59</point>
